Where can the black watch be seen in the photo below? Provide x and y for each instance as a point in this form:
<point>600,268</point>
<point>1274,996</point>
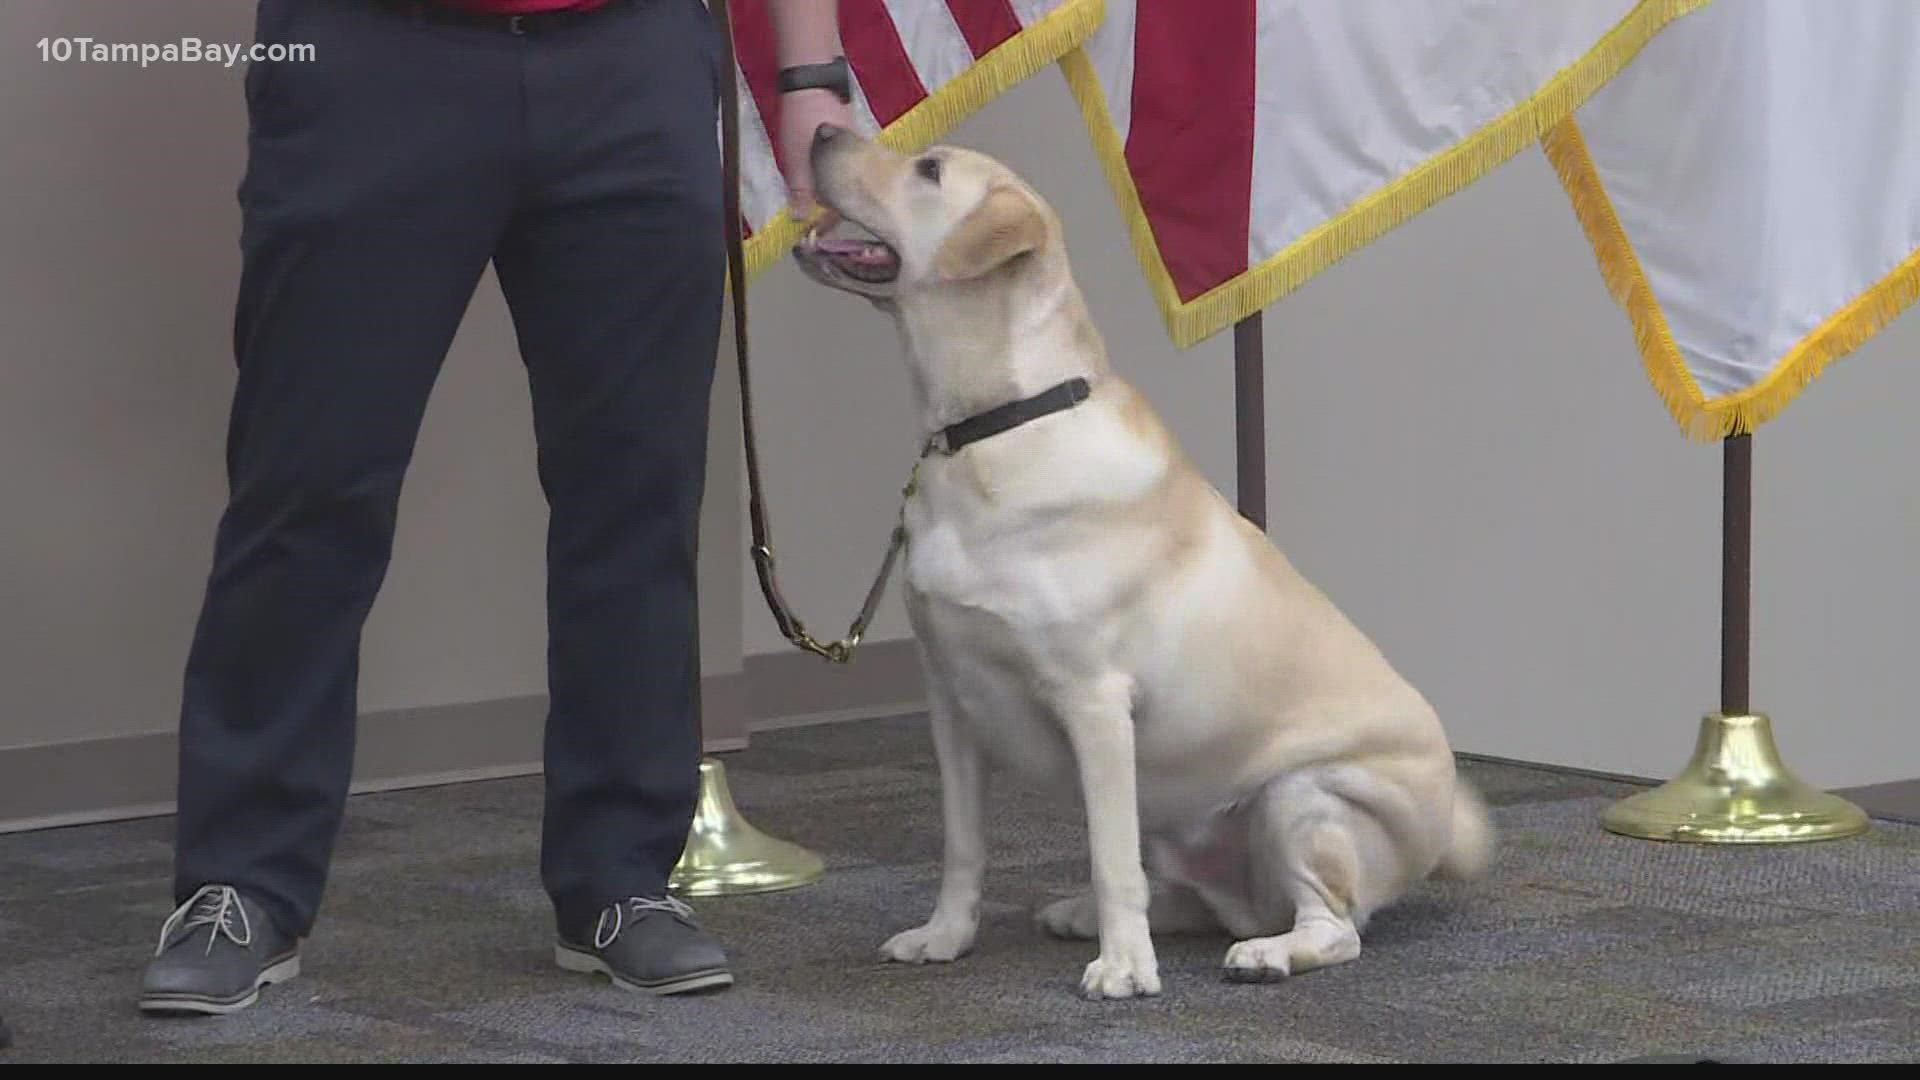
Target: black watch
<point>832,75</point>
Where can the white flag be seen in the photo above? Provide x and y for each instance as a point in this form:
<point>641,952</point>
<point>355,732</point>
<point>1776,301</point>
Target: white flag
<point>1751,187</point>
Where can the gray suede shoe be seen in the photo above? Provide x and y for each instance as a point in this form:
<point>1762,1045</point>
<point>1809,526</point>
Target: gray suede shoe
<point>649,945</point>
<point>216,951</point>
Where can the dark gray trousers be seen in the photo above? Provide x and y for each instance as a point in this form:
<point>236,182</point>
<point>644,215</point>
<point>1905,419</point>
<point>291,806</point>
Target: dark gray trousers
<point>580,159</point>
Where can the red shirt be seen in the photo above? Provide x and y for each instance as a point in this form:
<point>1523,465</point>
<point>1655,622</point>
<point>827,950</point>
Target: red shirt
<point>523,7</point>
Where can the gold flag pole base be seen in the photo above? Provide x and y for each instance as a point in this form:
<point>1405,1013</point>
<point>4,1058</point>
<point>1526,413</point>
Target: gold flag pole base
<point>1736,790</point>
<point>727,856</point>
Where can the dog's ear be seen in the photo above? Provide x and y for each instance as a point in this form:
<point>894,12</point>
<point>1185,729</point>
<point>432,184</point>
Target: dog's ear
<point>1005,225</point>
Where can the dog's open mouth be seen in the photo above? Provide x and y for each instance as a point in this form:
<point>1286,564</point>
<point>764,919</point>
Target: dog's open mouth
<point>850,249</point>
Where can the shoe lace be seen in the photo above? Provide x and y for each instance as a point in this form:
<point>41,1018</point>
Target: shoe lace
<point>217,906</point>
<point>638,905</point>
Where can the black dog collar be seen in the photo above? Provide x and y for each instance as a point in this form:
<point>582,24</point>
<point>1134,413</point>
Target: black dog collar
<point>950,439</point>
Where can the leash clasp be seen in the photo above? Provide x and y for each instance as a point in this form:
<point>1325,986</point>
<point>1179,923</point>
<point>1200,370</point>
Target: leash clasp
<point>835,652</point>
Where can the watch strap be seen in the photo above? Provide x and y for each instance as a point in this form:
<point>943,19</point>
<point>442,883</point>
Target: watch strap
<point>831,75</point>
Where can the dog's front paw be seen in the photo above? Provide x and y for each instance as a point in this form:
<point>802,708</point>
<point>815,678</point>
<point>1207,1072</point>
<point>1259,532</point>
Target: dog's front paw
<point>936,943</point>
<point>1125,974</point>
<point>1077,918</point>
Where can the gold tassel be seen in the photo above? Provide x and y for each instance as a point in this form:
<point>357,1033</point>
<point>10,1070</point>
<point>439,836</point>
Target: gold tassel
<point>1666,369</point>
<point>1843,332</point>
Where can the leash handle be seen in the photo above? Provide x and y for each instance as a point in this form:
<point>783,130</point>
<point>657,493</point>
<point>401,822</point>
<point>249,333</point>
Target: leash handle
<point>790,626</point>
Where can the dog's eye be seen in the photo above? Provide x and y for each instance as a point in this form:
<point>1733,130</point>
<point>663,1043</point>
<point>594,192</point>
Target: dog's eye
<point>928,168</point>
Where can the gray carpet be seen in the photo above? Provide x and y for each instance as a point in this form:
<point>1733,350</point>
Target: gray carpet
<point>434,944</point>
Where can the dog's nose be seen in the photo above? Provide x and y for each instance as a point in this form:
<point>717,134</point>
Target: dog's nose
<point>826,133</point>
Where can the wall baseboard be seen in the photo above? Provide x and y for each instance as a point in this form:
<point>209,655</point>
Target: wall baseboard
<point>133,776</point>
<point>795,689</point>
<point>1897,801</point>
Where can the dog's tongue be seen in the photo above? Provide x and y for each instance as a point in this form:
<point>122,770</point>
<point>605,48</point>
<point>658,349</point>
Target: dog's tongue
<point>848,247</point>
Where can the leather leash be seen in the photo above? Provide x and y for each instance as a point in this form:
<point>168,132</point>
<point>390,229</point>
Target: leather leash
<point>840,651</point>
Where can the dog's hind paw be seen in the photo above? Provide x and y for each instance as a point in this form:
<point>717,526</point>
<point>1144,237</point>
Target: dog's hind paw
<point>1076,918</point>
<point>1313,945</point>
<point>934,943</point>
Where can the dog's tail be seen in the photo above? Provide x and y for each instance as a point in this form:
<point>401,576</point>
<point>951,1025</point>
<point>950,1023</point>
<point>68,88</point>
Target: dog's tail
<point>1470,851</point>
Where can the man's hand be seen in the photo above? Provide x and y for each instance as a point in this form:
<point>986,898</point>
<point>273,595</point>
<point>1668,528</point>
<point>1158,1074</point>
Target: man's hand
<point>801,114</point>
<point>805,32</point>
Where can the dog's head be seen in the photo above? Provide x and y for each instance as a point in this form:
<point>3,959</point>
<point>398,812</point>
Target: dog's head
<point>901,226</point>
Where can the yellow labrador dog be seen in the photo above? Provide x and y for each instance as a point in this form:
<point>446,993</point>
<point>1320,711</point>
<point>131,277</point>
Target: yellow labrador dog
<point>1091,612</point>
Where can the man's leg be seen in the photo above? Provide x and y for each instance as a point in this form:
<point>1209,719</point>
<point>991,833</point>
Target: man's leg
<point>614,270</point>
<point>378,183</point>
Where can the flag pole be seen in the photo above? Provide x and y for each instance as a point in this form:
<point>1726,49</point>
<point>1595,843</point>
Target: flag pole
<point>1250,419</point>
<point>1736,574</point>
<point>1736,789</point>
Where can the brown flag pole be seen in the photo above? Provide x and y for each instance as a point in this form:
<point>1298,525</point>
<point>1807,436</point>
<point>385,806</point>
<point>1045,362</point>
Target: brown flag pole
<point>1736,789</point>
<point>1250,419</point>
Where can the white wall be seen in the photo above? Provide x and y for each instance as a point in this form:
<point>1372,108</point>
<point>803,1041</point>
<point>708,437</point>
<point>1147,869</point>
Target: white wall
<point>118,263</point>
<point>1465,453</point>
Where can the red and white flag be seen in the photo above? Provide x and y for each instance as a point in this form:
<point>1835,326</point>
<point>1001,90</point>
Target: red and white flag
<point>1251,143</point>
<point>919,68</point>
